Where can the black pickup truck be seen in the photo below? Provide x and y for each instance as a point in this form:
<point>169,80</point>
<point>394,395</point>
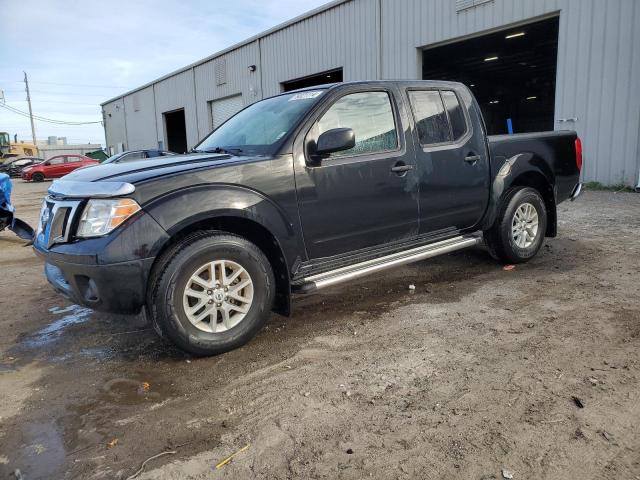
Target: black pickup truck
<point>298,192</point>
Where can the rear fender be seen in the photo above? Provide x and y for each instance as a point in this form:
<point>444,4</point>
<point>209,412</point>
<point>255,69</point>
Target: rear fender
<point>523,169</point>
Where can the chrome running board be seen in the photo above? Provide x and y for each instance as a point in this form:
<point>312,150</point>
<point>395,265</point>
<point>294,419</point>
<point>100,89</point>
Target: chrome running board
<point>351,272</point>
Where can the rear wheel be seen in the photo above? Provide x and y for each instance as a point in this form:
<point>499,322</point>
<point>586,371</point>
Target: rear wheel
<point>38,177</point>
<point>519,230</point>
<point>211,293</point>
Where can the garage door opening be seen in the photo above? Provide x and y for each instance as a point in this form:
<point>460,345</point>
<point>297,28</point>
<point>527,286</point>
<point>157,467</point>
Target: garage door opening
<point>176,131</point>
<point>331,76</point>
<point>512,73</point>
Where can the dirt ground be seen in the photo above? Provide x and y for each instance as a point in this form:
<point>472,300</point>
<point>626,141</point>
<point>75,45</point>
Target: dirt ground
<point>533,370</point>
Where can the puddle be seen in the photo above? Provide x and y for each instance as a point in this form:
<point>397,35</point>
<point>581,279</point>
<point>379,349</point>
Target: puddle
<point>42,455</point>
<point>128,391</point>
<point>97,354</point>
<point>71,315</point>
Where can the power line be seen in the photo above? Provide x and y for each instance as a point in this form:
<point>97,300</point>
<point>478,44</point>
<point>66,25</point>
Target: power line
<point>44,119</point>
<point>59,93</point>
<point>56,101</point>
<point>68,84</point>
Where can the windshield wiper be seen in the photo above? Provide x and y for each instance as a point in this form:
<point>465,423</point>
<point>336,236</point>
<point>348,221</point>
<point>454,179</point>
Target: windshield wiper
<point>227,150</point>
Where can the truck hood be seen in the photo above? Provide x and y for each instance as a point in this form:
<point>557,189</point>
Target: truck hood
<point>148,169</point>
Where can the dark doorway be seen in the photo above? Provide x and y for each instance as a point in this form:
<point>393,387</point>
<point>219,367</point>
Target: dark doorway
<point>331,76</point>
<point>176,130</point>
<point>512,73</point>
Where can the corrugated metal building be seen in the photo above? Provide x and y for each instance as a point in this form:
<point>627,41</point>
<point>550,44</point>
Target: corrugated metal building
<point>539,63</point>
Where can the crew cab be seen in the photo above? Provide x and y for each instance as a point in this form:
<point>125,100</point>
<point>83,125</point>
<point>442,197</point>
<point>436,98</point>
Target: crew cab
<point>56,167</point>
<point>295,193</point>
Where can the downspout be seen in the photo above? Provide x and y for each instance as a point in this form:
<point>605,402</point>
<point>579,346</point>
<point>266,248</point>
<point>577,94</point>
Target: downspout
<point>155,116</point>
<point>126,133</point>
<point>260,67</point>
<point>195,102</point>
<point>379,41</point>
<point>104,127</point>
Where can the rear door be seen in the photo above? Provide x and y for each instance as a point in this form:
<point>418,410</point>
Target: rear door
<point>452,159</point>
<point>358,198</point>
<point>72,162</point>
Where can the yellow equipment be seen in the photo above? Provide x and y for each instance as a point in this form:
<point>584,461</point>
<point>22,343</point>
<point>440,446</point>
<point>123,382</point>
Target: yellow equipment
<point>15,149</point>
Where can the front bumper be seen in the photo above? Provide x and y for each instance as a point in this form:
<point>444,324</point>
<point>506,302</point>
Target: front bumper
<point>116,288</point>
<point>108,273</point>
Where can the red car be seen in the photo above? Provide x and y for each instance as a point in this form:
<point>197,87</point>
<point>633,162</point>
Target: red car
<point>57,166</point>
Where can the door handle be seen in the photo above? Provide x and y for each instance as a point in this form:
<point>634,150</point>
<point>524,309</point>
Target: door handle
<point>398,168</point>
<point>472,158</point>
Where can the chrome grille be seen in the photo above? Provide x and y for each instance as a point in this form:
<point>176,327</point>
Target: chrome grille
<point>56,219</point>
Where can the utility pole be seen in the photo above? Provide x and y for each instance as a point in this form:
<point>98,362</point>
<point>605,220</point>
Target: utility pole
<point>33,129</point>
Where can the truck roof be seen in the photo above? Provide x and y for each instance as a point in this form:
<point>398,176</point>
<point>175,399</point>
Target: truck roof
<point>330,86</point>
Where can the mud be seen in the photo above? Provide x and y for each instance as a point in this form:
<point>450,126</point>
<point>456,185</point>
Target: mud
<point>472,373</point>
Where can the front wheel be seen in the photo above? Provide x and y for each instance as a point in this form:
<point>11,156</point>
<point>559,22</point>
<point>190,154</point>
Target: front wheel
<point>519,230</point>
<point>211,293</point>
<point>38,177</point>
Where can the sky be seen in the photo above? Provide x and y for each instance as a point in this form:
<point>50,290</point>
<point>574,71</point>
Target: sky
<point>77,54</point>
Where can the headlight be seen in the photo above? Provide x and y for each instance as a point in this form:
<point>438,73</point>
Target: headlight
<point>102,216</point>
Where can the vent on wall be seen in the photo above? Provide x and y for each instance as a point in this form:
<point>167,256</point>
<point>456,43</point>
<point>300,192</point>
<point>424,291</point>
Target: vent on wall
<point>221,71</point>
<point>462,5</point>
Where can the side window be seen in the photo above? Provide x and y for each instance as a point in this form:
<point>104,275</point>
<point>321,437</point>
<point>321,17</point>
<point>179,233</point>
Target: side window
<point>73,159</point>
<point>430,117</point>
<point>56,161</point>
<point>456,114</point>
<point>370,116</point>
<point>130,157</point>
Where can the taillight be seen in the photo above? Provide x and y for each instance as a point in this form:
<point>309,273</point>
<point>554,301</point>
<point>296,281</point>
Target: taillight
<point>579,153</point>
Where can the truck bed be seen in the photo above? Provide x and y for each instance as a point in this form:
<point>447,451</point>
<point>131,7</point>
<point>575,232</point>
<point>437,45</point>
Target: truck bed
<point>553,152</point>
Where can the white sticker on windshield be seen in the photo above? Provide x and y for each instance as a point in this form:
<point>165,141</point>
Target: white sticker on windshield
<point>280,135</point>
<point>306,95</point>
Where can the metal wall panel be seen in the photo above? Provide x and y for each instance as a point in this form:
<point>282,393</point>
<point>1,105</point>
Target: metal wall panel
<point>239,81</point>
<point>174,93</point>
<point>141,120</point>
<point>344,36</point>
<point>598,65</point>
<point>115,129</point>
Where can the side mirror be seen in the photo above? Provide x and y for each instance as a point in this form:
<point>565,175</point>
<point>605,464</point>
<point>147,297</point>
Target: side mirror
<point>335,140</point>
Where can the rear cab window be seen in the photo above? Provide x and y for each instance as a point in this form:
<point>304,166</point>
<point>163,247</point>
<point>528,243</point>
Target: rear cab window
<point>438,116</point>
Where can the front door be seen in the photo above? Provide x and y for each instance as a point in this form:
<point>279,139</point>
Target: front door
<point>55,167</point>
<point>365,196</point>
<point>452,160</point>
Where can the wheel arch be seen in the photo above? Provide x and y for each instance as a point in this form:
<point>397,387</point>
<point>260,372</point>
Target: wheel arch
<point>524,170</point>
<point>238,211</point>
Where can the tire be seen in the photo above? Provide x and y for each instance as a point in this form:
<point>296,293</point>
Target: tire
<point>175,279</point>
<point>38,177</point>
<point>507,240</point>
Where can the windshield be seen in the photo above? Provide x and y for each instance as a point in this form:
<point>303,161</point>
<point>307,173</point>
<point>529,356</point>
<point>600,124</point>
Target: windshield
<point>259,128</point>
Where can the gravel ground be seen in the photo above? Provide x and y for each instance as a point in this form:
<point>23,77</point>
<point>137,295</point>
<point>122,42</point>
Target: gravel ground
<point>533,370</point>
